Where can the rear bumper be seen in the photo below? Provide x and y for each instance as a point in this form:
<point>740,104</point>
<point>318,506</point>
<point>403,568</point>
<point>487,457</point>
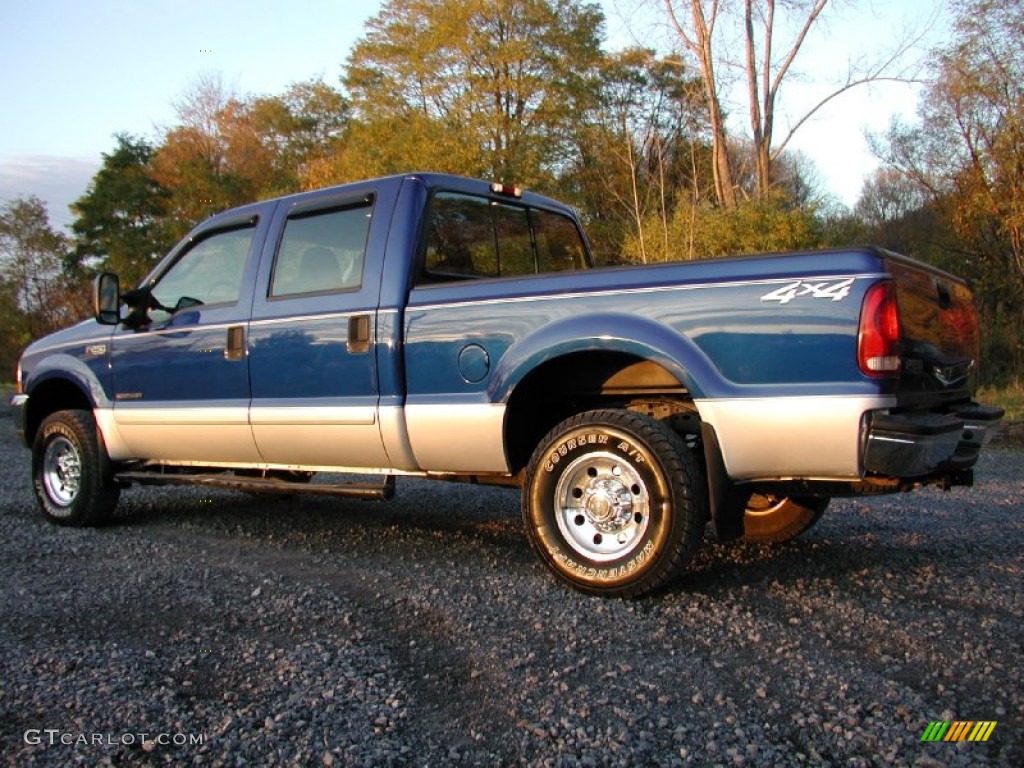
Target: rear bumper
<point>916,444</point>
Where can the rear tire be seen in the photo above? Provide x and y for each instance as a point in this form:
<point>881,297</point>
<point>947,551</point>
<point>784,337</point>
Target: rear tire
<point>614,503</point>
<point>71,473</point>
<point>774,519</point>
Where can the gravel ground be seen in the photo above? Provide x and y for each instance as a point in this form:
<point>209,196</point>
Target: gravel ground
<point>421,632</point>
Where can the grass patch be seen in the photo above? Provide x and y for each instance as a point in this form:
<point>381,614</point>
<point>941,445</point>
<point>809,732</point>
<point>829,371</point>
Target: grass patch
<point>1010,397</point>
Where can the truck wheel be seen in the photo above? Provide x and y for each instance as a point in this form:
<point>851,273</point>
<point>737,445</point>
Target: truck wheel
<point>70,470</point>
<point>780,518</point>
<point>614,503</point>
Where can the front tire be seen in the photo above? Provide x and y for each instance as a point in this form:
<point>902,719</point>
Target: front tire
<point>71,470</point>
<point>775,519</point>
<point>614,503</point>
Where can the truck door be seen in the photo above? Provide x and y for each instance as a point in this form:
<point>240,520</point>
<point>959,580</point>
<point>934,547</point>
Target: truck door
<point>312,363</point>
<point>181,380</point>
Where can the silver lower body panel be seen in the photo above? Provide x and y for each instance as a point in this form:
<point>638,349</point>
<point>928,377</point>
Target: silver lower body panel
<point>814,437</point>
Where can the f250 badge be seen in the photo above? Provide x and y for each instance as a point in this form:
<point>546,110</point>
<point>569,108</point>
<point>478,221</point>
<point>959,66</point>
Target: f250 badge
<point>837,291</point>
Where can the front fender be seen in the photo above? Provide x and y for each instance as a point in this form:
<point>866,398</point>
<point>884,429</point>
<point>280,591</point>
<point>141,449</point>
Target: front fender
<point>71,369</point>
<point>640,337</point>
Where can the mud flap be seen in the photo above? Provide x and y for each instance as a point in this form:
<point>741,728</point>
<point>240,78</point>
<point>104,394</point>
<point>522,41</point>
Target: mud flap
<point>727,502</point>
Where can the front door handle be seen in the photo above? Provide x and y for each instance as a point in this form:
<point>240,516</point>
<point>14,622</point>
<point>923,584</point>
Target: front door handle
<point>234,349</point>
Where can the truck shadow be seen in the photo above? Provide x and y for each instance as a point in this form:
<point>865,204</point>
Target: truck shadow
<point>431,522</point>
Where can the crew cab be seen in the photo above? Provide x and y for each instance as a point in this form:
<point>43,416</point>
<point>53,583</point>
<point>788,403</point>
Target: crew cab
<point>438,326</point>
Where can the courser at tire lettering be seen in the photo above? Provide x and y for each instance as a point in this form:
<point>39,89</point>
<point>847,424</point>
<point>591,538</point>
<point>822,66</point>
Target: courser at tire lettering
<point>71,470</point>
<point>614,503</point>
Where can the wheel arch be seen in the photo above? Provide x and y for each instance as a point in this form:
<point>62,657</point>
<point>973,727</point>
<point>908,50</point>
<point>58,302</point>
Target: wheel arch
<point>60,383</point>
<point>613,332</point>
<point>586,360</point>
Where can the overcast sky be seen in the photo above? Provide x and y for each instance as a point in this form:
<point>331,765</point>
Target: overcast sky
<point>75,72</point>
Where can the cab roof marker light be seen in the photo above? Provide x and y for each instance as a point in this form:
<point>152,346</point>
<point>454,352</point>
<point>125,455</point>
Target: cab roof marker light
<point>505,189</point>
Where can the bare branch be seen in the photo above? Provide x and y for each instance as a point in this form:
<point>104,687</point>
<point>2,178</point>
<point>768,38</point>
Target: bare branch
<point>831,97</point>
<point>780,75</point>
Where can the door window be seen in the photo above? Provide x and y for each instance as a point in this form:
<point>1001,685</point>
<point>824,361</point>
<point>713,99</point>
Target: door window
<point>322,252</point>
<point>210,272</point>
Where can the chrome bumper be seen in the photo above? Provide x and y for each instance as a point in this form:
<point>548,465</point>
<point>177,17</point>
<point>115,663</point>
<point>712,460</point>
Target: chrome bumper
<point>912,445</point>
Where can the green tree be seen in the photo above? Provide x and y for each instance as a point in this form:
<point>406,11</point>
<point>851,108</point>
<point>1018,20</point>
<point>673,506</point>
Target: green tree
<point>898,214</point>
<point>36,296</point>
<point>706,230</point>
<point>301,127</point>
<point>119,220</point>
<point>479,87</point>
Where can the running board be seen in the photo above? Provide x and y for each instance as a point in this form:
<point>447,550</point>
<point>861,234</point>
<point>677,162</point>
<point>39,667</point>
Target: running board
<point>378,492</point>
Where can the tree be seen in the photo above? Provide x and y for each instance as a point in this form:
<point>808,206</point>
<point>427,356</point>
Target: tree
<point>485,88</point>
<point>228,150</point>
<point>119,220</point>
<point>899,215</point>
<point>755,26</point>
<point>643,143</point>
<point>36,297</point>
<point>697,39</point>
<point>967,156</point>
<point>275,142</point>
<point>192,162</point>
<point>703,230</point>
<point>303,125</point>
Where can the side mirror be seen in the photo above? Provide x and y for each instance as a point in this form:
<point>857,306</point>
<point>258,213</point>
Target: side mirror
<point>106,299</point>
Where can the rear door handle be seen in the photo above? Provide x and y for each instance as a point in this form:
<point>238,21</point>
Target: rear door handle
<point>234,349</point>
<point>358,334</point>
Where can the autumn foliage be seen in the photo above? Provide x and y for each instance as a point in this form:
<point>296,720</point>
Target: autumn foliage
<point>523,91</point>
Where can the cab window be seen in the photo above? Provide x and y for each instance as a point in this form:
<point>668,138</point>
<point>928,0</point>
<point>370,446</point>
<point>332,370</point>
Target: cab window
<point>210,272</point>
<point>322,252</point>
<point>475,237</point>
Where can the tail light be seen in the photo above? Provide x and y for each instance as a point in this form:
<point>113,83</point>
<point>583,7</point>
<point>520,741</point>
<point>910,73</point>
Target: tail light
<point>878,338</point>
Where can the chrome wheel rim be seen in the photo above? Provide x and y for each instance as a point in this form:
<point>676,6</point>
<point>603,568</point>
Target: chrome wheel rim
<point>62,471</point>
<point>603,507</point>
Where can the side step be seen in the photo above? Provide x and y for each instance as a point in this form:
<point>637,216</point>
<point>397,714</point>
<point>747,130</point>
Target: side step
<point>374,491</point>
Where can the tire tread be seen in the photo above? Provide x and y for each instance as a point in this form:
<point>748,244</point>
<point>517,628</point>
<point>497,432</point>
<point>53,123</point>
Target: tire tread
<point>98,494</point>
<point>683,474</point>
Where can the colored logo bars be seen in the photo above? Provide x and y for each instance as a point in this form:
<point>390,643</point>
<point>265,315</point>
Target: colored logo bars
<point>958,730</point>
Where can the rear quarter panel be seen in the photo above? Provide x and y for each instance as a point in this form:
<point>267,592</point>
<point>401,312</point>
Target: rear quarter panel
<point>741,350</point>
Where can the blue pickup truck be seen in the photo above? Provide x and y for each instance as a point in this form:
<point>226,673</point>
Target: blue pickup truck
<point>438,326</point>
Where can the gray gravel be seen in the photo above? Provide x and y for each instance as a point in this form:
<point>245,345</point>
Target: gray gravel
<point>306,631</point>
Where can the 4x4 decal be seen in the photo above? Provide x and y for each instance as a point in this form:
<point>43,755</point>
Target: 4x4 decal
<point>836,291</point>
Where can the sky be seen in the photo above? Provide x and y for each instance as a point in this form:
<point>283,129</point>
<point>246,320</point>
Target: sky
<point>75,72</point>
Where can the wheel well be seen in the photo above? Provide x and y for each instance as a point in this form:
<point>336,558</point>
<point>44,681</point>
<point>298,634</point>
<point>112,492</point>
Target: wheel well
<point>581,381</point>
<point>50,396</point>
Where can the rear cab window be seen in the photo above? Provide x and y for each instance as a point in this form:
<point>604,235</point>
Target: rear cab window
<point>471,236</point>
